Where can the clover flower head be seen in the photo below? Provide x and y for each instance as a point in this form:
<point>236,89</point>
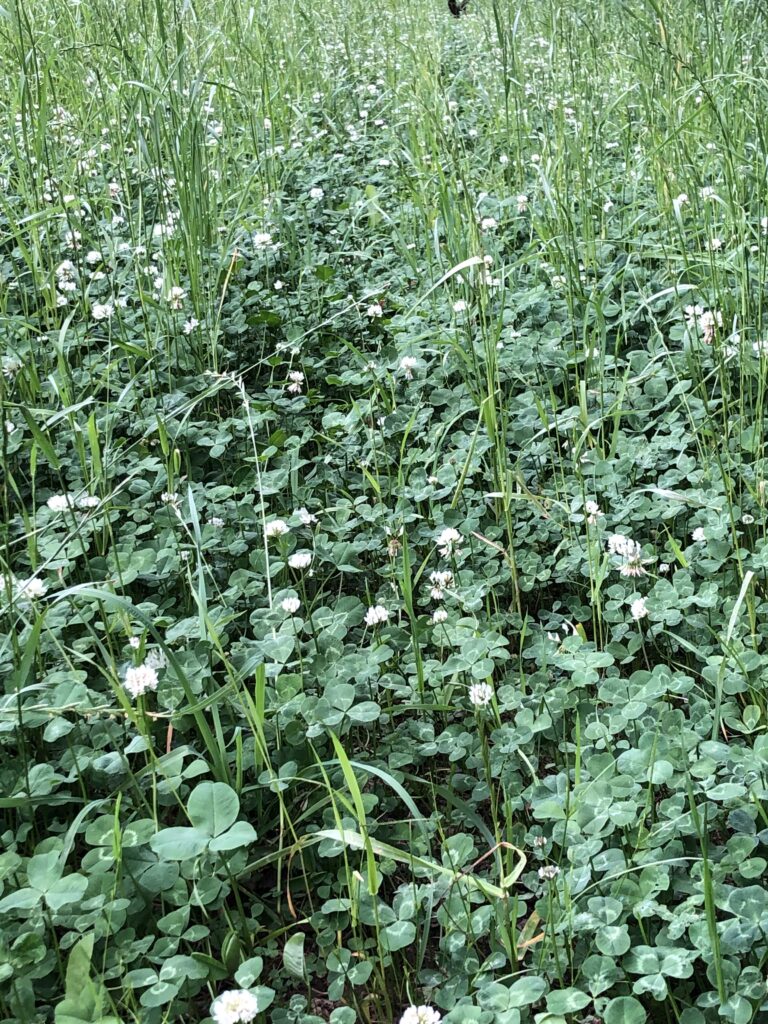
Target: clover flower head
<point>421,1015</point>
<point>440,581</point>
<point>549,872</point>
<point>140,679</point>
<point>638,609</point>
<point>448,541</point>
<point>376,615</point>
<point>300,560</point>
<point>276,528</point>
<point>408,364</point>
<point>480,695</point>
<point>237,1006</point>
<point>31,588</point>
<point>59,502</point>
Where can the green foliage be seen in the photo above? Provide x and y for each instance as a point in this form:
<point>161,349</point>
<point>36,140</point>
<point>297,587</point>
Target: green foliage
<point>383,515</point>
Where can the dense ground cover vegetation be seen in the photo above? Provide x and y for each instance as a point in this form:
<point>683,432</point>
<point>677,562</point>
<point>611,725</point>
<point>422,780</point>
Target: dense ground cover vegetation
<point>383,538</point>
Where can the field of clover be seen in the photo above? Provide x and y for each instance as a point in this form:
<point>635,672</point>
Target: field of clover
<point>383,513</point>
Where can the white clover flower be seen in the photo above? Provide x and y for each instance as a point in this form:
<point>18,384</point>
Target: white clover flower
<point>276,528</point>
<point>155,659</point>
<point>593,511</point>
<point>714,244</point>
<point>92,257</point>
<point>664,568</point>
<point>440,581</point>
<point>11,366</point>
<point>681,200</point>
<point>158,230</point>
<point>607,206</point>
<point>394,544</point>
<point>522,203</point>
<point>59,502</point>
<point>139,679</point>
<point>374,311</point>
<point>480,695</point>
<point>65,277</point>
<point>300,560</point>
<point>279,285</point>
<point>638,609</point>
<point>549,872</point>
<point>503,159</point>
<point>623,546</point>
<point>698,535</point>
<point>692,314</point>
<point>448,541</point>
<point>72,239</point>
<point>316,193</point>
<point>747,519</point>
<point>459,306</point>
<point>31,588</point>
<point>376,615</point>
<point>290,605</point>
<point>190,325</point>
<point>102,310</point>
<point>488,224</point>
<point>708,192</point>
<point>421,1015</point>
<point>407,365</point>
<point>216,521</point>
<point>176,296</point>
<point>262,240</point>
<point>307,518</point>
<point>66,269</point>
<point>171,498</point>
<point>235,1007</point>
<point>86,501</point>
<point>633,567</point>
<point>558,280</point>
<point>295,382</point>
<point>630,553</point>
<point>439,615</point>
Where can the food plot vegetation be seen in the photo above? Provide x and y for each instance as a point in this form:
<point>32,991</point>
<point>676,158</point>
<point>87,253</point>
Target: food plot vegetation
<point>383,552</point>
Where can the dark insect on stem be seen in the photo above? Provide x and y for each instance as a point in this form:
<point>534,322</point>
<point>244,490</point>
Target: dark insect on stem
<point>457,7</point>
